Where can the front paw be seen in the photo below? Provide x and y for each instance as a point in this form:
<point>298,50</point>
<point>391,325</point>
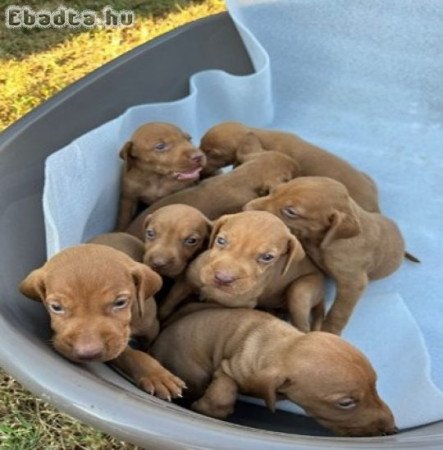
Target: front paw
<point>209,408</point>
<point>162,384</point>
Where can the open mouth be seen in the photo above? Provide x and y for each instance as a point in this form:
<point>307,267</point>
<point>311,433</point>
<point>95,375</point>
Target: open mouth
<point>189,174</point>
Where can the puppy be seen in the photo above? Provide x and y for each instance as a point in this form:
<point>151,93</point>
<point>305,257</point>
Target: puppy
<point>124,242</point>
<point>220,145</point>
<point>174,235</point>
<point>158,160</point>
<point>97,298</point>
<point>228,193</point>
<point>223,352</point>
<point>350,244</point>
<point>254,260</point>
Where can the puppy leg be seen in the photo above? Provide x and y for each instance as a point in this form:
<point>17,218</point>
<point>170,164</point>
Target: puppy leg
<point>127,207</point>
<point>219,398</point>
<point>149,374</point>
<point>348,293</point>
<point>304,298</point>
<point>176,295</point>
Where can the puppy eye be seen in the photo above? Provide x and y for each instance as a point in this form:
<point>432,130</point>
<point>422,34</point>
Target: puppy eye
<point>188,137</point>
<point>150,233</point>
<point>120,303</point>
<point>347,403</point>
<point>56,308</point>
<point>191,240</point>
<point>160,147</point>
<point>290,212</point>
<point>266,257</point>
<point>220,241</point>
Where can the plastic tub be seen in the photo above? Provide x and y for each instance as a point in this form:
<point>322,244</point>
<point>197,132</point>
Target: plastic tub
<point>159,71</point>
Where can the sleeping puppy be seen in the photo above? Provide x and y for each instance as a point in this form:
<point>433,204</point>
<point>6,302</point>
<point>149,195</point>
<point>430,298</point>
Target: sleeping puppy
<point>350,244</point>
<point>97,298</point>
<point>228,193</point>
<point>221,143</point>
<point>253,260</point>
<point>158,160</point>
<point>174,235</point>
<point>222,352</point>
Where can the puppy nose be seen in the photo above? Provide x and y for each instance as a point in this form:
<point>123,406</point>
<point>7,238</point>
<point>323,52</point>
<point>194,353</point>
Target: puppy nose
<point>224,277</point>
<point>197,158</point>
<point>88,352</point>
<point>159,262</point>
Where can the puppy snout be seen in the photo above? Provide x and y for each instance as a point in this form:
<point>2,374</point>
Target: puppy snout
<point>224,277</point>
<point>88,351</point>
<point>159,262</point>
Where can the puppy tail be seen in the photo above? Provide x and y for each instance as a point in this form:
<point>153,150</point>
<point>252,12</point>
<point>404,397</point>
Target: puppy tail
<point>411,257</point>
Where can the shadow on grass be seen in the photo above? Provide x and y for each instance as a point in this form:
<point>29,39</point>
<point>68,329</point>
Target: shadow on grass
<point>17,43</point>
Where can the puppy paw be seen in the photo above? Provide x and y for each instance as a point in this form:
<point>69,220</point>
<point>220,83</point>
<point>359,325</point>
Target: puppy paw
<point>162,384</point>
<point>209,408</point>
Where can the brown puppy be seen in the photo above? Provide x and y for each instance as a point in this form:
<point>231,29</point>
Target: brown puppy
<point>124,242</point>
<point>347,242</point>
<point>174,234</point>
<point>228,193</point>
<point>221,143</point>
<point>222,352</point>
<point>158,160</point>
<point>97,297</point>
<point>254,261</point>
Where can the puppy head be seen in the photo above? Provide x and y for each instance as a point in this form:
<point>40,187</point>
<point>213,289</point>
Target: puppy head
<point>332,381</point>
<point>91,293</point>
<point>271,169</point>
<point>315,208</point>
<point>174,234</point>
<point>220,145</point>
<point>245,249</point>
<point>164,149</point>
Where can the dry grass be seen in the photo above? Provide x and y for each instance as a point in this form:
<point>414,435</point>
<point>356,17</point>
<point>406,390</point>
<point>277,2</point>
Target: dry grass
<point>34,65</point>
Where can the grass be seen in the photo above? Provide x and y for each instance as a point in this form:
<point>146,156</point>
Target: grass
<point>34,65</point>
<point>37,63</point>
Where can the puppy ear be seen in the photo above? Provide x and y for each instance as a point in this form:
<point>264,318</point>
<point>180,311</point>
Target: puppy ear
<point>216,228</point>
<point>33,286</point>
<point>209,226</point>
<point>147,283</point>
<point>267,386</point>
<point>126,155</point>
<point>342,226</point>
<point>295,253</point>
<point>248,147</point>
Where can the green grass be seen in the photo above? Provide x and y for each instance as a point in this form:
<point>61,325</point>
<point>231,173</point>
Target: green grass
<point>34,65</point>
<point>37,63</point>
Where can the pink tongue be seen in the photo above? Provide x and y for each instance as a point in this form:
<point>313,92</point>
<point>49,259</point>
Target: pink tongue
<point>189,175</point>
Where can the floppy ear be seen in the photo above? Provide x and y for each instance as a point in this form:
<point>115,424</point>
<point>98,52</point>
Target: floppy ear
<point>248,147</point>
<point>126,155</point>
<point>266,386</point>
<point>33,286</point>
<point>342,226</point>
<point>209,226</point>
<point>216,228</point>
<point>295,253</point>
<point>147,283</point>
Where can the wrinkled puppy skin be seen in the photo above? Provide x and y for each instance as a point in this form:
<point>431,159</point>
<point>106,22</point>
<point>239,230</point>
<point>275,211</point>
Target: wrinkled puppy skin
<point>254,260</point>
<point>97,298</point>
<point>350,244</point>
<point>222,142</point>
<point>158,159</point>
<point>222,352</point>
